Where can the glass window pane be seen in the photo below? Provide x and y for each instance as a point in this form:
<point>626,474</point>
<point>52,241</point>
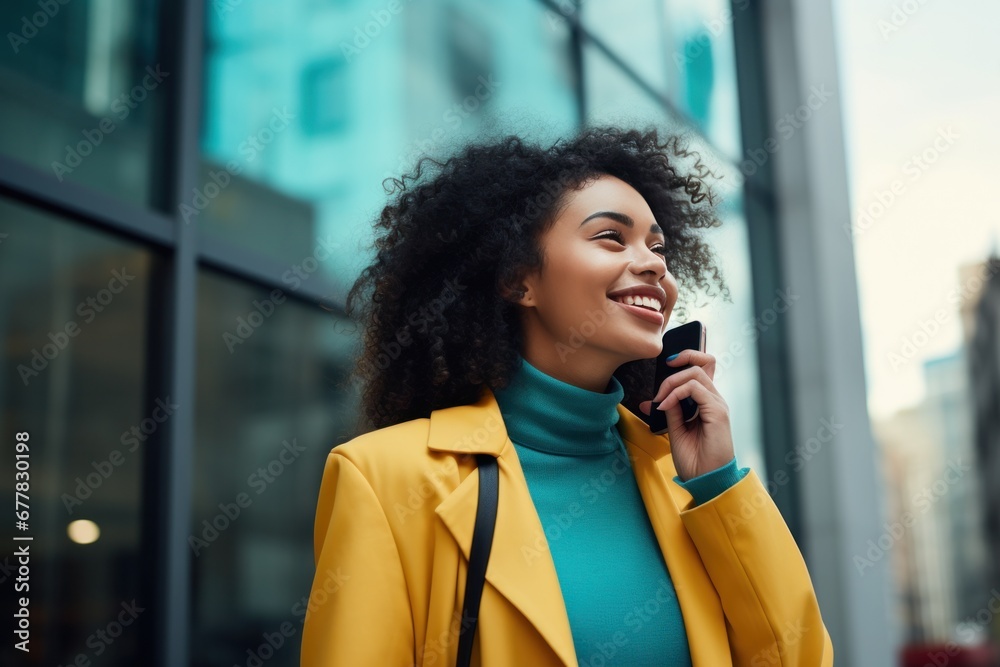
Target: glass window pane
<point>684,50</point>
<point>633,30</point>
<point>307,110</point>
<point>612,97</point>
<point>703,58</point>
<point>271,405</point>
<point>79,89</point>
<point>731,333</point>
<point>73,307</point>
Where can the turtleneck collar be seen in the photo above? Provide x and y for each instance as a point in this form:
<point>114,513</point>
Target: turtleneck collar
<point>549,415</point>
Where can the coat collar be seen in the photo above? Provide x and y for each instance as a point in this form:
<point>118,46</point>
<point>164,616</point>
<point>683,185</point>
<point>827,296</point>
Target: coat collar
<point>531,584</point>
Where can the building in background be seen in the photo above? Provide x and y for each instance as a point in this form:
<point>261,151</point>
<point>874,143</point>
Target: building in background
<point>984,370</point>
<point>186,192</point>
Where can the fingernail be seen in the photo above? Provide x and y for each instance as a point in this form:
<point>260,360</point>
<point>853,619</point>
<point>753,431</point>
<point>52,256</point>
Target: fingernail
<point>672,357</point>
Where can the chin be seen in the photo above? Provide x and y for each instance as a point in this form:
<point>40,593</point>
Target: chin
<point>644,348</point>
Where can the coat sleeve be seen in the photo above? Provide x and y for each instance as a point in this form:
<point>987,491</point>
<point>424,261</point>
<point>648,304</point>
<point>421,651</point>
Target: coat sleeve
<point>359,611</point>
<point>772,614</point>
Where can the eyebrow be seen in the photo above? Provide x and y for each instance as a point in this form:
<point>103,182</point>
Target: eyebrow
<point>623,219</point>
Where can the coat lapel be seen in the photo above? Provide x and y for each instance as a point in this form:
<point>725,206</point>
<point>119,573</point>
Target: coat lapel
<point>520,566</point>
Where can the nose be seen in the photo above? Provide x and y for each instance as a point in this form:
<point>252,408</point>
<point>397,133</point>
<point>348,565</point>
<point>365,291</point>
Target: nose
<point>649,261</point>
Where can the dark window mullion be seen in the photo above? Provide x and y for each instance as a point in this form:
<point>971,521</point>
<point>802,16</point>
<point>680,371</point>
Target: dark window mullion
<point>171,352</point>
<point>74,201</point>
<point>293,280</point>
<point>760,208</point>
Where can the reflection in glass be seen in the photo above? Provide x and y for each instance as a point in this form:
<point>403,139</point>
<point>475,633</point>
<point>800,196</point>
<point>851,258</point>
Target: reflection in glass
<point>685,51</point>
<point>703,58</point>
<point>271,405</point>
<point>79,88</point>
<point>73,307</point>
<point>309,106</point>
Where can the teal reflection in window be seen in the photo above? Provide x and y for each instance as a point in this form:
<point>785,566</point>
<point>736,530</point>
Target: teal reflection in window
<point>364,100</point>
<point>80,86</point>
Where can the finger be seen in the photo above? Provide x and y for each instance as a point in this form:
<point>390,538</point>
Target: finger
<point>645,407</point>
<point>708,402</point>
<point>679,378</point>
<point>695,358</point>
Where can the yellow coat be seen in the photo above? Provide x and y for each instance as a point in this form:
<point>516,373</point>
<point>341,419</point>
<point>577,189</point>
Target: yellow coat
<point>394,525</point>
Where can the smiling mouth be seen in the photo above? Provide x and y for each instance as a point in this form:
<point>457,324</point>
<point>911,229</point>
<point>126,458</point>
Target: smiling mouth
<point>649,304</point>
<point>643,313</point>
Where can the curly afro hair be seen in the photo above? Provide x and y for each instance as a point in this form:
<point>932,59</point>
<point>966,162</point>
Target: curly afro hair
<point>437,322</point>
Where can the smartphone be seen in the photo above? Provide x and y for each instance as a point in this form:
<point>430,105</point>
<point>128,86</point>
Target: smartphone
<point>690,336</point>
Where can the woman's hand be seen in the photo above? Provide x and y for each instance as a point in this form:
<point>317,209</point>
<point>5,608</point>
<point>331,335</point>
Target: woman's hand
<point>706,442</point>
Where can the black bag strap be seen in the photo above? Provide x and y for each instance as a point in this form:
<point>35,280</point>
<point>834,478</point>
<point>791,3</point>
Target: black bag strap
<point>479,554</point>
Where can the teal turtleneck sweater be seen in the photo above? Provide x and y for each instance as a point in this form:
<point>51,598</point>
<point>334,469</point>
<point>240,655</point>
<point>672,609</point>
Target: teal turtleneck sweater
<point>619,596</point>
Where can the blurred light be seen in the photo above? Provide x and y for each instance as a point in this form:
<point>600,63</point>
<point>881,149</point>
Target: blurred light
<point>83,531</point>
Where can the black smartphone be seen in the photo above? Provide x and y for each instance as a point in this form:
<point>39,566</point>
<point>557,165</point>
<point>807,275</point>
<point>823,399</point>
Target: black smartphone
<point>690,336</point>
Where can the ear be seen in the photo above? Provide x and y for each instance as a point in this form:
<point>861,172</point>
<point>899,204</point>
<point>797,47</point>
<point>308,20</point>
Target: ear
<point>515,290</point>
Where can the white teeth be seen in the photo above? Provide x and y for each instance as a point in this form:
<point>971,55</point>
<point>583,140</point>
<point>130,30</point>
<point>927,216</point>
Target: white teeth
<point>643,301</point>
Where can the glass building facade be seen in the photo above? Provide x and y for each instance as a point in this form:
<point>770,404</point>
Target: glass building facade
<point>186,195</point>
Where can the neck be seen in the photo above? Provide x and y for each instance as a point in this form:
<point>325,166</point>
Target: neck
<point>546,413</point>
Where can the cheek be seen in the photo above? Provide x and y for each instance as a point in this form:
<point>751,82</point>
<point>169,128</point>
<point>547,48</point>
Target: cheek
<point>670,287</point>
<point>570,308</point>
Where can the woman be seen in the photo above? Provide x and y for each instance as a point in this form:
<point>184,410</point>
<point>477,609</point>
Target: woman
<point>516,307</point>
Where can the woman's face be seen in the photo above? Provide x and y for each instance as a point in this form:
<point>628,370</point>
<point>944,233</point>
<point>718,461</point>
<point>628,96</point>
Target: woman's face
<point>574,327</point>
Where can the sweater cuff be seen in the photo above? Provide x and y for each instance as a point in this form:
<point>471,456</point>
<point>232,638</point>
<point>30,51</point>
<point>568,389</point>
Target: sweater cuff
<point>710,484</point>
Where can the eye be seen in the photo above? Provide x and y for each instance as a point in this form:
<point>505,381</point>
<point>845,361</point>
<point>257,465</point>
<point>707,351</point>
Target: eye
<point>615,235</point>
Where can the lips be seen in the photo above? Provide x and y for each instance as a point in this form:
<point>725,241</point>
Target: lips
<point>646,314</point>
<point>654,292</point>
<point>640,303</point>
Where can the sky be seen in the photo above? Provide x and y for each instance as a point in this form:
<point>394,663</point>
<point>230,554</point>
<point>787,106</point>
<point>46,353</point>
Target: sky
<point>914,73</point>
